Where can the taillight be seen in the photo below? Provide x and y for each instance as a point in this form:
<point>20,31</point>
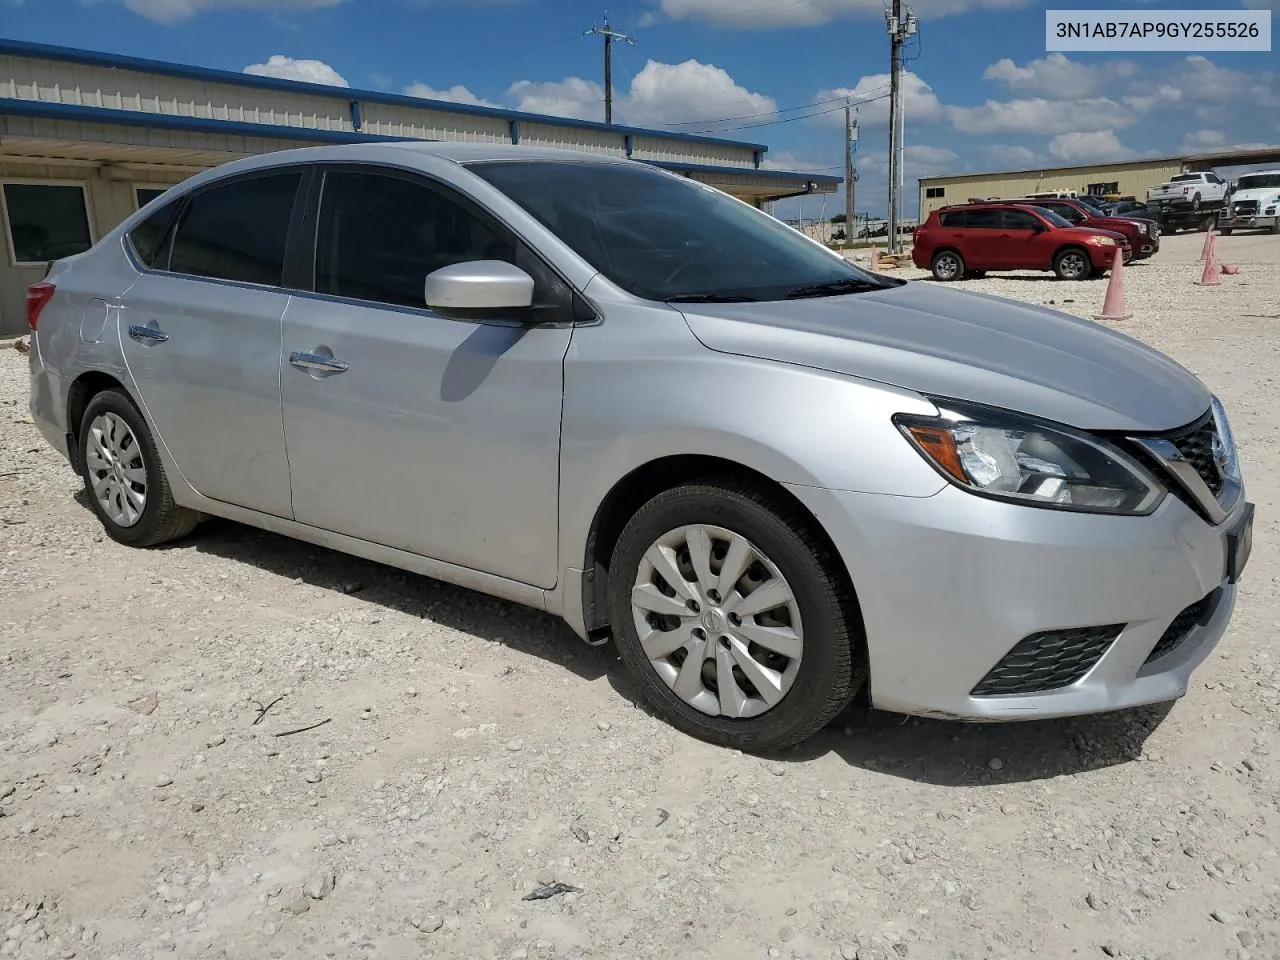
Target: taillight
<point>38,294</point>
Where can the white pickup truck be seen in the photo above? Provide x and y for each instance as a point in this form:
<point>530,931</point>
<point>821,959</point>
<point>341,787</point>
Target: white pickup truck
<point>1254,204</point>
<point>1192,188</point>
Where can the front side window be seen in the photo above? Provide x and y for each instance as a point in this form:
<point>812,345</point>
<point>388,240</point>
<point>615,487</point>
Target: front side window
<point>46,221</point>
<point>237,231</point>
<point>144,195</point>
<point>1053,217</point>
<point>379,236</point>
<point>661,237</point>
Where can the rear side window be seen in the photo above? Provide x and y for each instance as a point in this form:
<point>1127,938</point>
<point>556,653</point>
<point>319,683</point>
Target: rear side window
<point>983,219</point>
<point>237,231</point>
<point>953,219</point>
<point>379,236</point>
<point>150,237</point>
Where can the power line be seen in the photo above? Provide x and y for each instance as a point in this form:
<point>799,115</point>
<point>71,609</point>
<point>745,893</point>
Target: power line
<point>819,113</point>
<point>754,116</point>
<point>609,35</point>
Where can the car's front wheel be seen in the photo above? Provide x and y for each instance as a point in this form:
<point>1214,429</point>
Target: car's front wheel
<point>1072,264</point>
<point>733,617</point>
<point>948,265</point>
<point>123,477</point>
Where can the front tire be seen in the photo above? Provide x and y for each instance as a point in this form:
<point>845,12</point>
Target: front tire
<point>1072,264</point>
<point>123,477</point>
<point>734,618</point>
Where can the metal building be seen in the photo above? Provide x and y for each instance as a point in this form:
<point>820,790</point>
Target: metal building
<point>1129,178</point>
<point>86,138</point>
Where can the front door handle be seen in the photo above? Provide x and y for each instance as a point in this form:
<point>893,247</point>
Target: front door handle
<point>317,361</point>
<point>145,334</point>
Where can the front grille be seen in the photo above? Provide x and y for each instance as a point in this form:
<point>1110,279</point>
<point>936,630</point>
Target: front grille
<point>1245,208</point>
<point>1182,625</point>
<point>1047,661</point>
<point>1197,446</point>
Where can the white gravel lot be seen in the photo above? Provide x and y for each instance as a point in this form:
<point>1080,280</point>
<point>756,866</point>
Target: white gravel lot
<point>475,750</point>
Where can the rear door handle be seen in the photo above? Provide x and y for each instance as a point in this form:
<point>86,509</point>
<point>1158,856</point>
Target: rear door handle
<point>144,334</point>
<point>317,361</point>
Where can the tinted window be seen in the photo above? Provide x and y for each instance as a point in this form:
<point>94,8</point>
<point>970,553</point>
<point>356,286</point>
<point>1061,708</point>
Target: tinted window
<point>954,218</point>
<point>983,219</point>
<point>237,231</point>
<point>1067,212</point>
<point>149,238</point>
<point>1052,217</point>
<point>662,237</point>
<point>1019,220</point>
<point>379,236</point>
<point>46,222</point>
<point>145,195</point>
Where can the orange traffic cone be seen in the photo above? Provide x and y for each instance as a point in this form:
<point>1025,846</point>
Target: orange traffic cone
<point>1113,307</point>
<point>1210,277</point>
<point>1208,243</point>
<point>875,258</point>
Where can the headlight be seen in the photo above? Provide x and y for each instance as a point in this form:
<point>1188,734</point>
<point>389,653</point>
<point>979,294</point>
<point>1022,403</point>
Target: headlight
<point>1142,229</point>
<point>1010,457</point>
<point>1228,455</point>
<point>1103,241</point>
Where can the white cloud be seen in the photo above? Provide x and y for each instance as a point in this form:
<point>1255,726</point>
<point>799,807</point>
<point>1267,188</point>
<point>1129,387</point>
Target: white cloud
<point>308,71</point>
<point>455,94</point>
<point>1095,146</point>
<point>170,11</point>
<point>1060,77</point>
<point>920,103</point>
<point>1038,115</point>
<point>667,92</point>
<point>572,97</point>
<point>661,93</point>
<point>929,156</point>
<point>757,14</point>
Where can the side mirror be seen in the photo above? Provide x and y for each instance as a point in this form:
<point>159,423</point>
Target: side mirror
<point>479,285</point>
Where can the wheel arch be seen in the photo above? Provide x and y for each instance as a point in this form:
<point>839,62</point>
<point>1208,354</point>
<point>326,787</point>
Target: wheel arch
<point>646,481</point>
<point>83,389</point>
<point>1067,248</point>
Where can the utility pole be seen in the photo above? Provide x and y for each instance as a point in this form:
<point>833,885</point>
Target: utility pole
<point>609,35</point>
<point>850,175</point>
<point>900,28</point>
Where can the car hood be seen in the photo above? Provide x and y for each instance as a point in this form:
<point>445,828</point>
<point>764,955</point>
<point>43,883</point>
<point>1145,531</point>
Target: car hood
<point>1092,231</point>
<point>967,346</point>
<point>1261,194</point>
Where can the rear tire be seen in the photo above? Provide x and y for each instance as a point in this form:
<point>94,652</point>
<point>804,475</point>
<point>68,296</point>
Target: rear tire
<point>1226,231</point>
<point>947,266</point>
<point>1275,227</point>
<point>123,477</point>
<point>777,695</point>
<point>1072,264</point>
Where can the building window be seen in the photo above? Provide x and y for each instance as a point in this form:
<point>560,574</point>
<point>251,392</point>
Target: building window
<point>934,193</point>
<point>144,195</point>
<point>46,221</point>
<point>1102,189</point>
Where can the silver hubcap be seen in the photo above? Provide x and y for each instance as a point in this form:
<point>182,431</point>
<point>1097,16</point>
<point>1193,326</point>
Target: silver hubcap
<point>117,471</point>
<point>718,621</point>
<point>948,267</point>
<point>1073,265</point>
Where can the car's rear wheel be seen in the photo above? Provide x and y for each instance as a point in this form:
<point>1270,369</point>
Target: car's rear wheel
<point>733,617</point>
<point>123,477</point>
<point>947,265</point>
<point>1072,264</point>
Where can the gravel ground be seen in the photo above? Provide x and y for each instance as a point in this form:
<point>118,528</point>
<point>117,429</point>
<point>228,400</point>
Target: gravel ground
<point>473,752</point>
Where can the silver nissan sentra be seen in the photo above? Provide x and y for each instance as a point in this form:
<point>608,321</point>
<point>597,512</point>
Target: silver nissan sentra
<point>584,384</point>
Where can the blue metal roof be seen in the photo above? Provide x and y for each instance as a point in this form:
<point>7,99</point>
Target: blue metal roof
<point>132,118</point>
<point>19,48</point>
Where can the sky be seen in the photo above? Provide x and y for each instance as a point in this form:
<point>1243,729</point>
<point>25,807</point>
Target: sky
<point>981,93</point>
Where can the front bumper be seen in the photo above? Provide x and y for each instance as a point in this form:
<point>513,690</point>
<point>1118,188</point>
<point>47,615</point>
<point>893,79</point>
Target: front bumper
<point>1249,223</point>
<point>950,584</point>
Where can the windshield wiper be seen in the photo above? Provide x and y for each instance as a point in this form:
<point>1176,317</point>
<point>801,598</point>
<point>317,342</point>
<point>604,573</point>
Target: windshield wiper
<point>709,298</point>
<point>834,288</point>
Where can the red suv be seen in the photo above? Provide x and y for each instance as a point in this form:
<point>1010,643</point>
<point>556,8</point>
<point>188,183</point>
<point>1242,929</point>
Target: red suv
<point>967,241</point>
<point>1143,234</point>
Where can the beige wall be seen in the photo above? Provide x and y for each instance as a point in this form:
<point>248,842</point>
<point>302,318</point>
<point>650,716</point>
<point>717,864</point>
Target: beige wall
<point>107,202</point>
<point>1134,179</point>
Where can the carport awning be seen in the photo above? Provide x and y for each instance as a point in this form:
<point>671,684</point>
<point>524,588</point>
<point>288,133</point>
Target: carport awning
<point>52,132</point>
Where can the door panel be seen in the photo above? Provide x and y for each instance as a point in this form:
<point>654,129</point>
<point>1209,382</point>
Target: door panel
<point>440,436</point>
<point>1019,248</point>
<point>203,344</point>
<point>981,245</point>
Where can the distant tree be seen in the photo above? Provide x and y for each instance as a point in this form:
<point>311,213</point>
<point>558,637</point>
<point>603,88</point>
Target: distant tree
<point>838,218</point>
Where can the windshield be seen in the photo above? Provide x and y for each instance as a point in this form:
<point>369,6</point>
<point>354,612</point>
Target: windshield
<point>1055,218</point>
<point>666,238</point>
<point>1260,181</point>
<point>1094,205</point>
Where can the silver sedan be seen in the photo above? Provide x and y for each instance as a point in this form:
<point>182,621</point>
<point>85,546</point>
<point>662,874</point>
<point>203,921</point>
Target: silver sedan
<point>774,480</point>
